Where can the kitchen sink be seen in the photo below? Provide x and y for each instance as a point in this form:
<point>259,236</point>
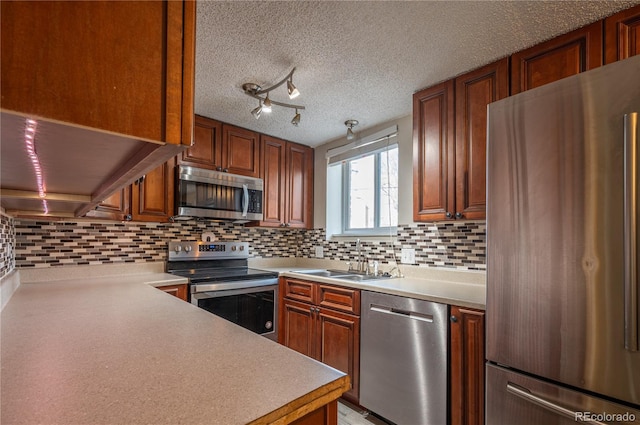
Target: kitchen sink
<point>341,274</point>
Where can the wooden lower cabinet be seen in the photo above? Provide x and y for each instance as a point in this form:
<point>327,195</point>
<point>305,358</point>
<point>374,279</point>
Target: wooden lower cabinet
<point>179,291</point>
<point>325,334</point>
<point>326,415</point>
<point>467,366</point>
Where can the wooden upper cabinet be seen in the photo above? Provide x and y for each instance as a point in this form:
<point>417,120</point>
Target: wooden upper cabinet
<point>240,151</point>
<point>115,207</point>
<point>563,56</point>
<point>299,176</point>
<point>467,366</point>
<point>474,91</point>
<point>124,67</point>
<point>206,151</point>
<point>433,153</point>
<point>622,35</point>
<point>152,197</point>
<point>287,170</point>
<point>274,152</point>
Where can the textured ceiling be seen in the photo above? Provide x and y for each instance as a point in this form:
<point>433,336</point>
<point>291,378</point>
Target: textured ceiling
<point>358,59</point>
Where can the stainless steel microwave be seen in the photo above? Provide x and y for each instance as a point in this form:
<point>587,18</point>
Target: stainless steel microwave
<point>215,194</point>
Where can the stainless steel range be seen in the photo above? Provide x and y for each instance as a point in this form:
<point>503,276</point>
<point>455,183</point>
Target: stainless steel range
<point>222,283</point>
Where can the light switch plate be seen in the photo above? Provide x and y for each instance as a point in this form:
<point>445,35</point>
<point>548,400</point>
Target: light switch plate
<point>408,256</point>
<point>319,251</point>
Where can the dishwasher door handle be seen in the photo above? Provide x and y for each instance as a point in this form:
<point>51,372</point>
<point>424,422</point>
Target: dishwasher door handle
<point>402,313</point>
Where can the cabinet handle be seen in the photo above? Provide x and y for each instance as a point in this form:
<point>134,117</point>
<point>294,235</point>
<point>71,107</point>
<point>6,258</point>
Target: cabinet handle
<point>218,168</point>
<point>453,319</point>
<point>226,170</point>
<point>287,225</point>
<point>459,215</point>
<point>127,217</point>
<point>448,215</point>
<point>281,224</point>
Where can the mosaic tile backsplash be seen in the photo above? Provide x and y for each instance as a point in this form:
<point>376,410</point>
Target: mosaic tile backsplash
<point>459,245</point>
<point>7,245</point>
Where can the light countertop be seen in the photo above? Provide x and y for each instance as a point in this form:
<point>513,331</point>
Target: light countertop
<point>118,351</point>
<point>443,289</point>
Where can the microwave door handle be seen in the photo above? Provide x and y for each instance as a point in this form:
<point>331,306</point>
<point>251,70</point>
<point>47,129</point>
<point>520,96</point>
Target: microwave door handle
<point>245,200</point>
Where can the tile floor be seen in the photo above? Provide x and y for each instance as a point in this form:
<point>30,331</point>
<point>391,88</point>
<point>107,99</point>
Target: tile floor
<point>351,415</point>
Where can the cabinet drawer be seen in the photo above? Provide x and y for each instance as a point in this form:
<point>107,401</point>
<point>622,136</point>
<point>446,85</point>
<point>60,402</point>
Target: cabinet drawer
<point>337,298</point>
<point>298,290</point>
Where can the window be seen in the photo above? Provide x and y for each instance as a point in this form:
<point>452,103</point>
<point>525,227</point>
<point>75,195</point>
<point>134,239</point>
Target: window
<point>362,193</point>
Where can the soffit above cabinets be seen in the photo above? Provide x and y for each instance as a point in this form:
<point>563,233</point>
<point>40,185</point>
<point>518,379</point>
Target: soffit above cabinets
<point>80,166</point>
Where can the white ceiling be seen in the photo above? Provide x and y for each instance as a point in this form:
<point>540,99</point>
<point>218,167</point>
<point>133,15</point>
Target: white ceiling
<point>358,59</point>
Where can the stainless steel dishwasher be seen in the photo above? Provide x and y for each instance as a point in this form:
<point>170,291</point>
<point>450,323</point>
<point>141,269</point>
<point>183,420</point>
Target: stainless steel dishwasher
<point>403,359</point>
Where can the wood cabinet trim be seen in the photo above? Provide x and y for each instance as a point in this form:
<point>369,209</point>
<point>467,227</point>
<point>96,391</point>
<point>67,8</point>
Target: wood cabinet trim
<point>231,157</point>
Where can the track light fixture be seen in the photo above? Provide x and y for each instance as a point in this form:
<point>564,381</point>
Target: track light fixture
<point>257,111</point>
<point>350,124</point>
<point>255,91</point>
<point>296,119</point>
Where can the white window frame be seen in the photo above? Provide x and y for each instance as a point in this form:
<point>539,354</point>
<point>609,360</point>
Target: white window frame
<point>346,184</point>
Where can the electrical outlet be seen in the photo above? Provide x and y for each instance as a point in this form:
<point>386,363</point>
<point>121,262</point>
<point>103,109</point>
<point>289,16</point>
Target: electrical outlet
<point>408,256</point>
<point>319,251</point>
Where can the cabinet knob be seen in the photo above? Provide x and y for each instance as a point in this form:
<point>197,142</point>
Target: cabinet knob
<point>287,225</point>
<point>459,215</point>
<point>454,319</point>
<point>218,168</point>
<point>226,170</point>
<point>448,215</point>
<point>128,217</point>
<point>281,224</point>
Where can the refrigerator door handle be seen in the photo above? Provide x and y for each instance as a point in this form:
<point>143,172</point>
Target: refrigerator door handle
<point>631,231</point>
<point>526,395</point>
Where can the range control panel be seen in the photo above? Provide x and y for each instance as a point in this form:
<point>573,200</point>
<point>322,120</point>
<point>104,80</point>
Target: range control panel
<point>207,250</point>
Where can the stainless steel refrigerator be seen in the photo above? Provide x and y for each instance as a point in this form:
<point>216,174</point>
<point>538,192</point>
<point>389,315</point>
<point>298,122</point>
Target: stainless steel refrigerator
<point>562,252</point>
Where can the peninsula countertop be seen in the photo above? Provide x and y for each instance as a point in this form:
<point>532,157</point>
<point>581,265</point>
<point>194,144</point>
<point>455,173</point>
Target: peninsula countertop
<point>118,351</point>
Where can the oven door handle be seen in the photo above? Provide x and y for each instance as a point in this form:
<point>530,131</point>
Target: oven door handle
<point>245,200</point>
<point>220,289</point>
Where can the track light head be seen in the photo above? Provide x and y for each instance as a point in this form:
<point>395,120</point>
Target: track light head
<point>292,90</point>
<point>266,105</point>
<point>296,119</point>
<point>257,112</point>
<point>350,124</point>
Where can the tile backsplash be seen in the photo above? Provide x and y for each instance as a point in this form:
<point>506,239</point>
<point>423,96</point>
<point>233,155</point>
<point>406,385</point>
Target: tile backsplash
<point>7,245</point>
<point>459,245</point>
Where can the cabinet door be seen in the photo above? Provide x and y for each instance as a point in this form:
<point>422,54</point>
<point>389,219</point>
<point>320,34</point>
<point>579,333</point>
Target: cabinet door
<point>433,153</point>
<point>298,327</point>
<point>274,153</point>
<point>563,56</point>
<point>338,342</point>
<point>474,91</point>
<point>622,35</point>
<point>124,67</point>
<point>115,207</point>
<point>299,175</point>
<point>206,151</point>
<point>179,291</point>
<point>152,196</point>
<point>467,366</point>
<point>240,151</point>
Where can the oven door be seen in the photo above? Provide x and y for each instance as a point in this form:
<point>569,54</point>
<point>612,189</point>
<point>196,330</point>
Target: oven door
<point>254,307</point>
